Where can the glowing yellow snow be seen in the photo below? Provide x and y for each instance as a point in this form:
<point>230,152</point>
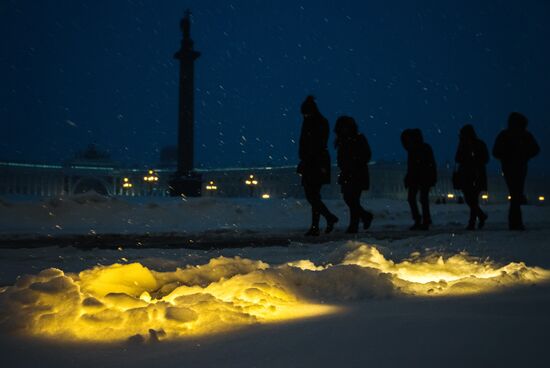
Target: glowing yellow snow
<point>434,275</point>
<point>119,302</point>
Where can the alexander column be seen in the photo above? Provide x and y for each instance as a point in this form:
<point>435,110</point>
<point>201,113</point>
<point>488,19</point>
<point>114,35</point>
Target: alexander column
<point>186,181</point>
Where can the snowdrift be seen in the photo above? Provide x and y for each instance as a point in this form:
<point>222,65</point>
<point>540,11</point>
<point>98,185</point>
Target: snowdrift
<point>132,302</point>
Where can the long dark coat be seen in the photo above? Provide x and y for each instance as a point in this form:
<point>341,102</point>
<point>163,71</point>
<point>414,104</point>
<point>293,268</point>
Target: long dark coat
<point>314,163</point>
<point>514,148</point>
<point>421,167</point>
<point>472,157</point>
<point>354,155</point>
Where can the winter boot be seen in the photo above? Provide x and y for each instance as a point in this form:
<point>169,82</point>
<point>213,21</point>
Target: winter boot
<point>367,220</point>
<point>482,218</point>
<point>331,221</point>
<point>313,231</point>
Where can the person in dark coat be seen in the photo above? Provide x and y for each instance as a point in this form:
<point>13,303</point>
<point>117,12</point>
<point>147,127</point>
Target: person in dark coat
<point>421,176</point>
<point>354,154</point>
<point>472,157</point>
<point>314,166</point>
<point>514,147</point>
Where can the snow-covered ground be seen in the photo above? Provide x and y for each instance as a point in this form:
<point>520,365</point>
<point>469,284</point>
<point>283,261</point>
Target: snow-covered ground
<point>95,214</point>
<point>384,298</point>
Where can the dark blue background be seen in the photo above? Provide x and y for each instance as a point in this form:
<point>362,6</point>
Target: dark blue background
<point>76,72</point>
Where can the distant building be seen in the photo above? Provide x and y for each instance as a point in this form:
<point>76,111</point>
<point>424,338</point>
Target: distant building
<point>87,172</point>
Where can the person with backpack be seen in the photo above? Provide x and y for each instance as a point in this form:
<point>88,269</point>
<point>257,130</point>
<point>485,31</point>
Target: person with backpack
<point>514,147</point>
<point>354,154</point>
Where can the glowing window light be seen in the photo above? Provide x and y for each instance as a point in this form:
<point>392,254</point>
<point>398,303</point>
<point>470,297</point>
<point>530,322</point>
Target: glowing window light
<point>266,196</point>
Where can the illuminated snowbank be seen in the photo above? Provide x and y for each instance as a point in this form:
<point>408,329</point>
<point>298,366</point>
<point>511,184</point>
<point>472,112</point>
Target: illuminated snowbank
<point>119,302</point>
<point>435,275</point>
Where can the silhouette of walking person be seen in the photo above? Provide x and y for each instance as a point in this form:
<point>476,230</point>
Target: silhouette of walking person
<point>514,147</point>
<point>314,166</point>
<point>472,157</point>
<point>421,176</point>
<point>354,154</point>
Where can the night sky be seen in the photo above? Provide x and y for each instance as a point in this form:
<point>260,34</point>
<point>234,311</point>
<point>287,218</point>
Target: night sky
<point>80,72</point>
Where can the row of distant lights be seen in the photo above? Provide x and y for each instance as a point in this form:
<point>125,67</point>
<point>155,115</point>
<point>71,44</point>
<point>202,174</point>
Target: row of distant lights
<point>485,197</point>
<point>151,177</point>
<point>251,182</point>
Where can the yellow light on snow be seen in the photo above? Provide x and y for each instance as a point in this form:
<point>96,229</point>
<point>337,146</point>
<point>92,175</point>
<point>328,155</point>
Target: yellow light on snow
<point>456,275</point>
<point>118,302</point>
<point>130,301</point>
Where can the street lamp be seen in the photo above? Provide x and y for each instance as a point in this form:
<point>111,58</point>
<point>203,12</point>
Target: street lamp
<point>126,184</point>
<point>151,178</point>
<point>211,186</point>
<point>251,182</point>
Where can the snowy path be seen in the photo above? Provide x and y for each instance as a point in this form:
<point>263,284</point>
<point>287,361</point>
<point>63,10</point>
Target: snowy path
<point>214,239</point>
<point>74,253</point>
